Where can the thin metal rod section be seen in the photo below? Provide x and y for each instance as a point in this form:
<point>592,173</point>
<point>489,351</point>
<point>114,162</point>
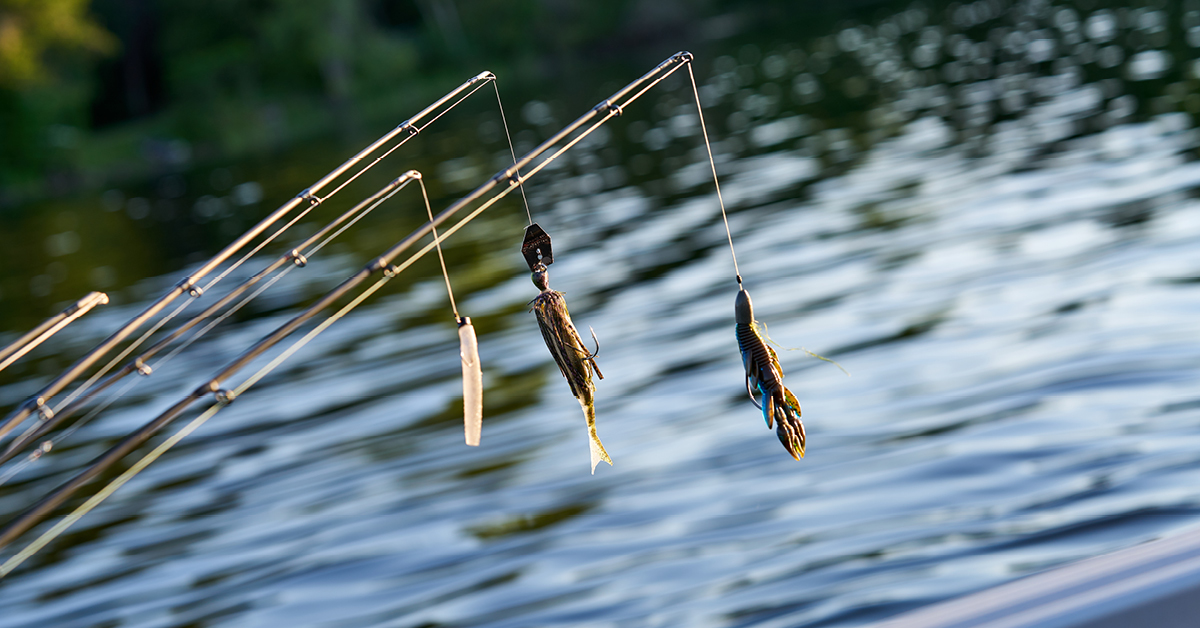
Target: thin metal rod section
<point>295,256</point>
<point>49,327</point>
<point>188,284</point>
<point>383,263</point>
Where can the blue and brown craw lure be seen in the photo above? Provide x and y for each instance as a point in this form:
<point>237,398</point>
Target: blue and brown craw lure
<point>764,375</point>
<point>562,339</point>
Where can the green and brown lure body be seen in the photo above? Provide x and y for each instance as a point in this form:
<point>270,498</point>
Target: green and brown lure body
<point>574,361</point>
<point>765,376</point>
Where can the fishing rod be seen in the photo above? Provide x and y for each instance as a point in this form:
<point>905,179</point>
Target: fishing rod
<point>190,283</point>
<point>49,327</point>
<point>297,257</point>
<point>507,179</point>
<point>52,418</point>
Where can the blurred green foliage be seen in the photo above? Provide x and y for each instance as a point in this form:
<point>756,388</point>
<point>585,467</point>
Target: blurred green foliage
<point>88,88</point>
<point>31,31</point>
<point>44,46</point>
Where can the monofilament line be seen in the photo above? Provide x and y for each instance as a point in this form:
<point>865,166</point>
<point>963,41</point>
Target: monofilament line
<point>438,244</point>
<point>713,164</point>
<point>512,151</point>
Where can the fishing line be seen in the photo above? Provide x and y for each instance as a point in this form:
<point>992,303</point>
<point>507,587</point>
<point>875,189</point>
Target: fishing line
<point>713,164</point>
<point>489,77</point>
<point>468,347</point>
<point>479,210</point>
<point>613,110</point>
<point>299,344</point>
<point>413,131</point>
<point>437,243</point>
<point>512,151</point>
<point>16,468</point>
<point>301,259</point>
<point>314,201</point>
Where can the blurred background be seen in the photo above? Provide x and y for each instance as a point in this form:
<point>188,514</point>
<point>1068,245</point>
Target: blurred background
<point>986,211</point>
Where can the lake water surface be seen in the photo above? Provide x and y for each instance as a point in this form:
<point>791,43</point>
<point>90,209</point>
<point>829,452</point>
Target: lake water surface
<point>987,214</point>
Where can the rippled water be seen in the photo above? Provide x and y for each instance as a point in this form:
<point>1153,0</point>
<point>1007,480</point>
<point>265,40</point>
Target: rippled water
<point>1005,258</point>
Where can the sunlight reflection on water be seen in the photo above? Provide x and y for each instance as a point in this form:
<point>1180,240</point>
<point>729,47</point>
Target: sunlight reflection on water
<point>1003,253</point>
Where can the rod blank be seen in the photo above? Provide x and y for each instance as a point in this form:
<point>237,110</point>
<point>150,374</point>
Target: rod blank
<point>140,363</point>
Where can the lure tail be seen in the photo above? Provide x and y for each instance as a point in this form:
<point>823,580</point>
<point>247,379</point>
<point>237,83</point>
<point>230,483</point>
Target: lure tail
<point>789,428</point>
<point>595,446</point>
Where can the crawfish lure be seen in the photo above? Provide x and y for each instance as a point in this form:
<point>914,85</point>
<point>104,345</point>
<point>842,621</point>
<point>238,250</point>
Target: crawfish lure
<point>574,361</point>
<point>764,375</point>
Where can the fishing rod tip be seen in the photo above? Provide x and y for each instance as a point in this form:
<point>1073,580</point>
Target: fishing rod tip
<point>93,299</point>
<point>485,75</point>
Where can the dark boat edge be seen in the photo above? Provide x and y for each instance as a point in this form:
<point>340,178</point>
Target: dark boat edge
<point>1152,584</point>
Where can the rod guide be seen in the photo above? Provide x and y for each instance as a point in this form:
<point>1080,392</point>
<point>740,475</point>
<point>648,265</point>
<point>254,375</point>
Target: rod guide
<point>188,285</point>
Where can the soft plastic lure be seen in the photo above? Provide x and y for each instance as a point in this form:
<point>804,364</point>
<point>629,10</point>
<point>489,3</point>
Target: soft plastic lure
<point>472,382</point>
<point>764,375</point>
